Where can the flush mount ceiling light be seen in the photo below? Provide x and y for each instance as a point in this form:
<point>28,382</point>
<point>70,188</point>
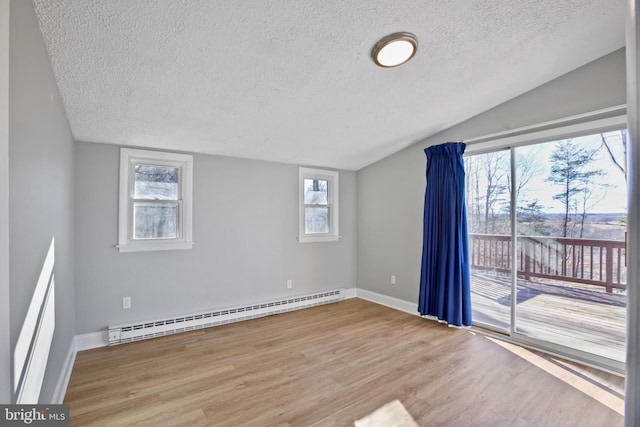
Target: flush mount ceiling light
<point>394,49</point>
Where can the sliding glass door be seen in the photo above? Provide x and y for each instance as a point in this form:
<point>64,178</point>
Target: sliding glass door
<point>489,224</point>
<point>571,222</point>
<point>548,243</point>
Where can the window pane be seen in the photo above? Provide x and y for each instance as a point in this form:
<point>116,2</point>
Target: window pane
<point>155,220</point>
<point>572,266</point>
<point>156,182</point>
<point>489,222</point>
<point>316,220</point>
<point>315,191</point>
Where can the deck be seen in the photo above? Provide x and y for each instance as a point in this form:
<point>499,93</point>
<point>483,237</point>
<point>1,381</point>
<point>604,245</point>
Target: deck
<point>584,318</point>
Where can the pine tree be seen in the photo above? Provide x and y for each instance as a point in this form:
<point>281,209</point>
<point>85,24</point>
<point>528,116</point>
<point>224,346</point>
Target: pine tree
<point>570,171</point>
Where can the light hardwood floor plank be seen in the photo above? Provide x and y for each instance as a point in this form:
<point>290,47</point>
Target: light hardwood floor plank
<point>329,366</point>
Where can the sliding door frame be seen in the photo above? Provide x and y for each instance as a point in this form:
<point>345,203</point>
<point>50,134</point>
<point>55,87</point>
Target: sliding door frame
<point>600,121</point>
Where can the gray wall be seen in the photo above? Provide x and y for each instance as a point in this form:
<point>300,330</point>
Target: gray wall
<point>245,225</point>
<point>40,187</point>
<point>391,191</point>
<point>5,334</point>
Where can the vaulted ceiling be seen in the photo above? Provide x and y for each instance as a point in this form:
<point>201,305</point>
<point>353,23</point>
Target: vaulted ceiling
<point>293,81</point>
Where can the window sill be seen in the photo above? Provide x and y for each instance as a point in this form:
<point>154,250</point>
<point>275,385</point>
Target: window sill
<point>316,239</point>
<point>146,247</point>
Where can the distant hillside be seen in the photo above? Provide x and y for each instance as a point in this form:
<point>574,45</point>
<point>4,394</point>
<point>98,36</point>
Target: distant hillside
<point>607,226</point>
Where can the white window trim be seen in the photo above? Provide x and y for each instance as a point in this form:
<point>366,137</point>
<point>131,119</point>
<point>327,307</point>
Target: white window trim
<point>333,199</point>
<point>125,220</point>
<point>605,120</point>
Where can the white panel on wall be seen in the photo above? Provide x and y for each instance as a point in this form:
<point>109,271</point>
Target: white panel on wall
<point>32,348</point>
<point>29,392</point>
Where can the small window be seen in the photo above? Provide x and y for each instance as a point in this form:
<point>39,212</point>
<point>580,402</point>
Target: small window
<point>318,212</point>
<point>155,200</point>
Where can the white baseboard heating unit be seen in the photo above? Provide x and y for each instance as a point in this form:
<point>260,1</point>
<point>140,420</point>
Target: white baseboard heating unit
<point>136,331</point>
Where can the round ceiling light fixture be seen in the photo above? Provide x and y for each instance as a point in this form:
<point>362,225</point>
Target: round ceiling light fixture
<point>394,49</point>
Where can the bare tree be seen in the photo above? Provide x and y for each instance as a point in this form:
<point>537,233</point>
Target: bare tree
<point>609,140</point>
<point>495,169</point>
<point>472,189</point>
<point>485,190</point>
<point>528,166</point>
<point>588,198</point>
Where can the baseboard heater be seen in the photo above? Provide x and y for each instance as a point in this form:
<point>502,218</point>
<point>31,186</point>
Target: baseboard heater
<point>136,331</point>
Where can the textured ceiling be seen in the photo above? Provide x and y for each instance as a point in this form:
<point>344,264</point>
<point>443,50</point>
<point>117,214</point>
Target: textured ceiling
<point>292,80</point>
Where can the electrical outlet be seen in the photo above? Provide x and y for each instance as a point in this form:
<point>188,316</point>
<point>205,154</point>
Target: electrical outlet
<point>393,280</point>
<point>289,284</point>
<point>126,302</point>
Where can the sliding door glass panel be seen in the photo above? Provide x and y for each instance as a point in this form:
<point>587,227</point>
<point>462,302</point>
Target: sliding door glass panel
<point>571,243</point>
<point>489,223</point>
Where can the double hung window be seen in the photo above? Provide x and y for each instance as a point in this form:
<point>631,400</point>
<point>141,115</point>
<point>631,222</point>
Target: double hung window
<point>155,200</point>
<point>318,207</point>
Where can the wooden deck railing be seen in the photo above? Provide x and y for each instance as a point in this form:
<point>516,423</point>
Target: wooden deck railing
<point>588,261</point>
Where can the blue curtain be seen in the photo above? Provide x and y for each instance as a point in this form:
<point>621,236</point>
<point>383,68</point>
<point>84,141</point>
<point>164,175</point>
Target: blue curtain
<point>444,279</point>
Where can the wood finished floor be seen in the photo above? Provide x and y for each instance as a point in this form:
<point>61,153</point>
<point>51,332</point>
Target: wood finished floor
<point>329,366</point>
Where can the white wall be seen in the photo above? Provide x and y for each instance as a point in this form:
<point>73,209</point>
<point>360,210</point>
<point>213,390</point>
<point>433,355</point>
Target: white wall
<point>391,191</point>
<point>245,224</point>
<point>40,186</point>
<point>5,335</point>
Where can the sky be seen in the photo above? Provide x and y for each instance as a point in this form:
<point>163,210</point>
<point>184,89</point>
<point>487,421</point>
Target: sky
<point>609,191</point>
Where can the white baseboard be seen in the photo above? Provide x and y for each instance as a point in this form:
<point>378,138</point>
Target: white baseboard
<point>398,304</point>
<point>91,340</point>
<point>65,375</point>
<point>101,338</point>
<point>78,343</point>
